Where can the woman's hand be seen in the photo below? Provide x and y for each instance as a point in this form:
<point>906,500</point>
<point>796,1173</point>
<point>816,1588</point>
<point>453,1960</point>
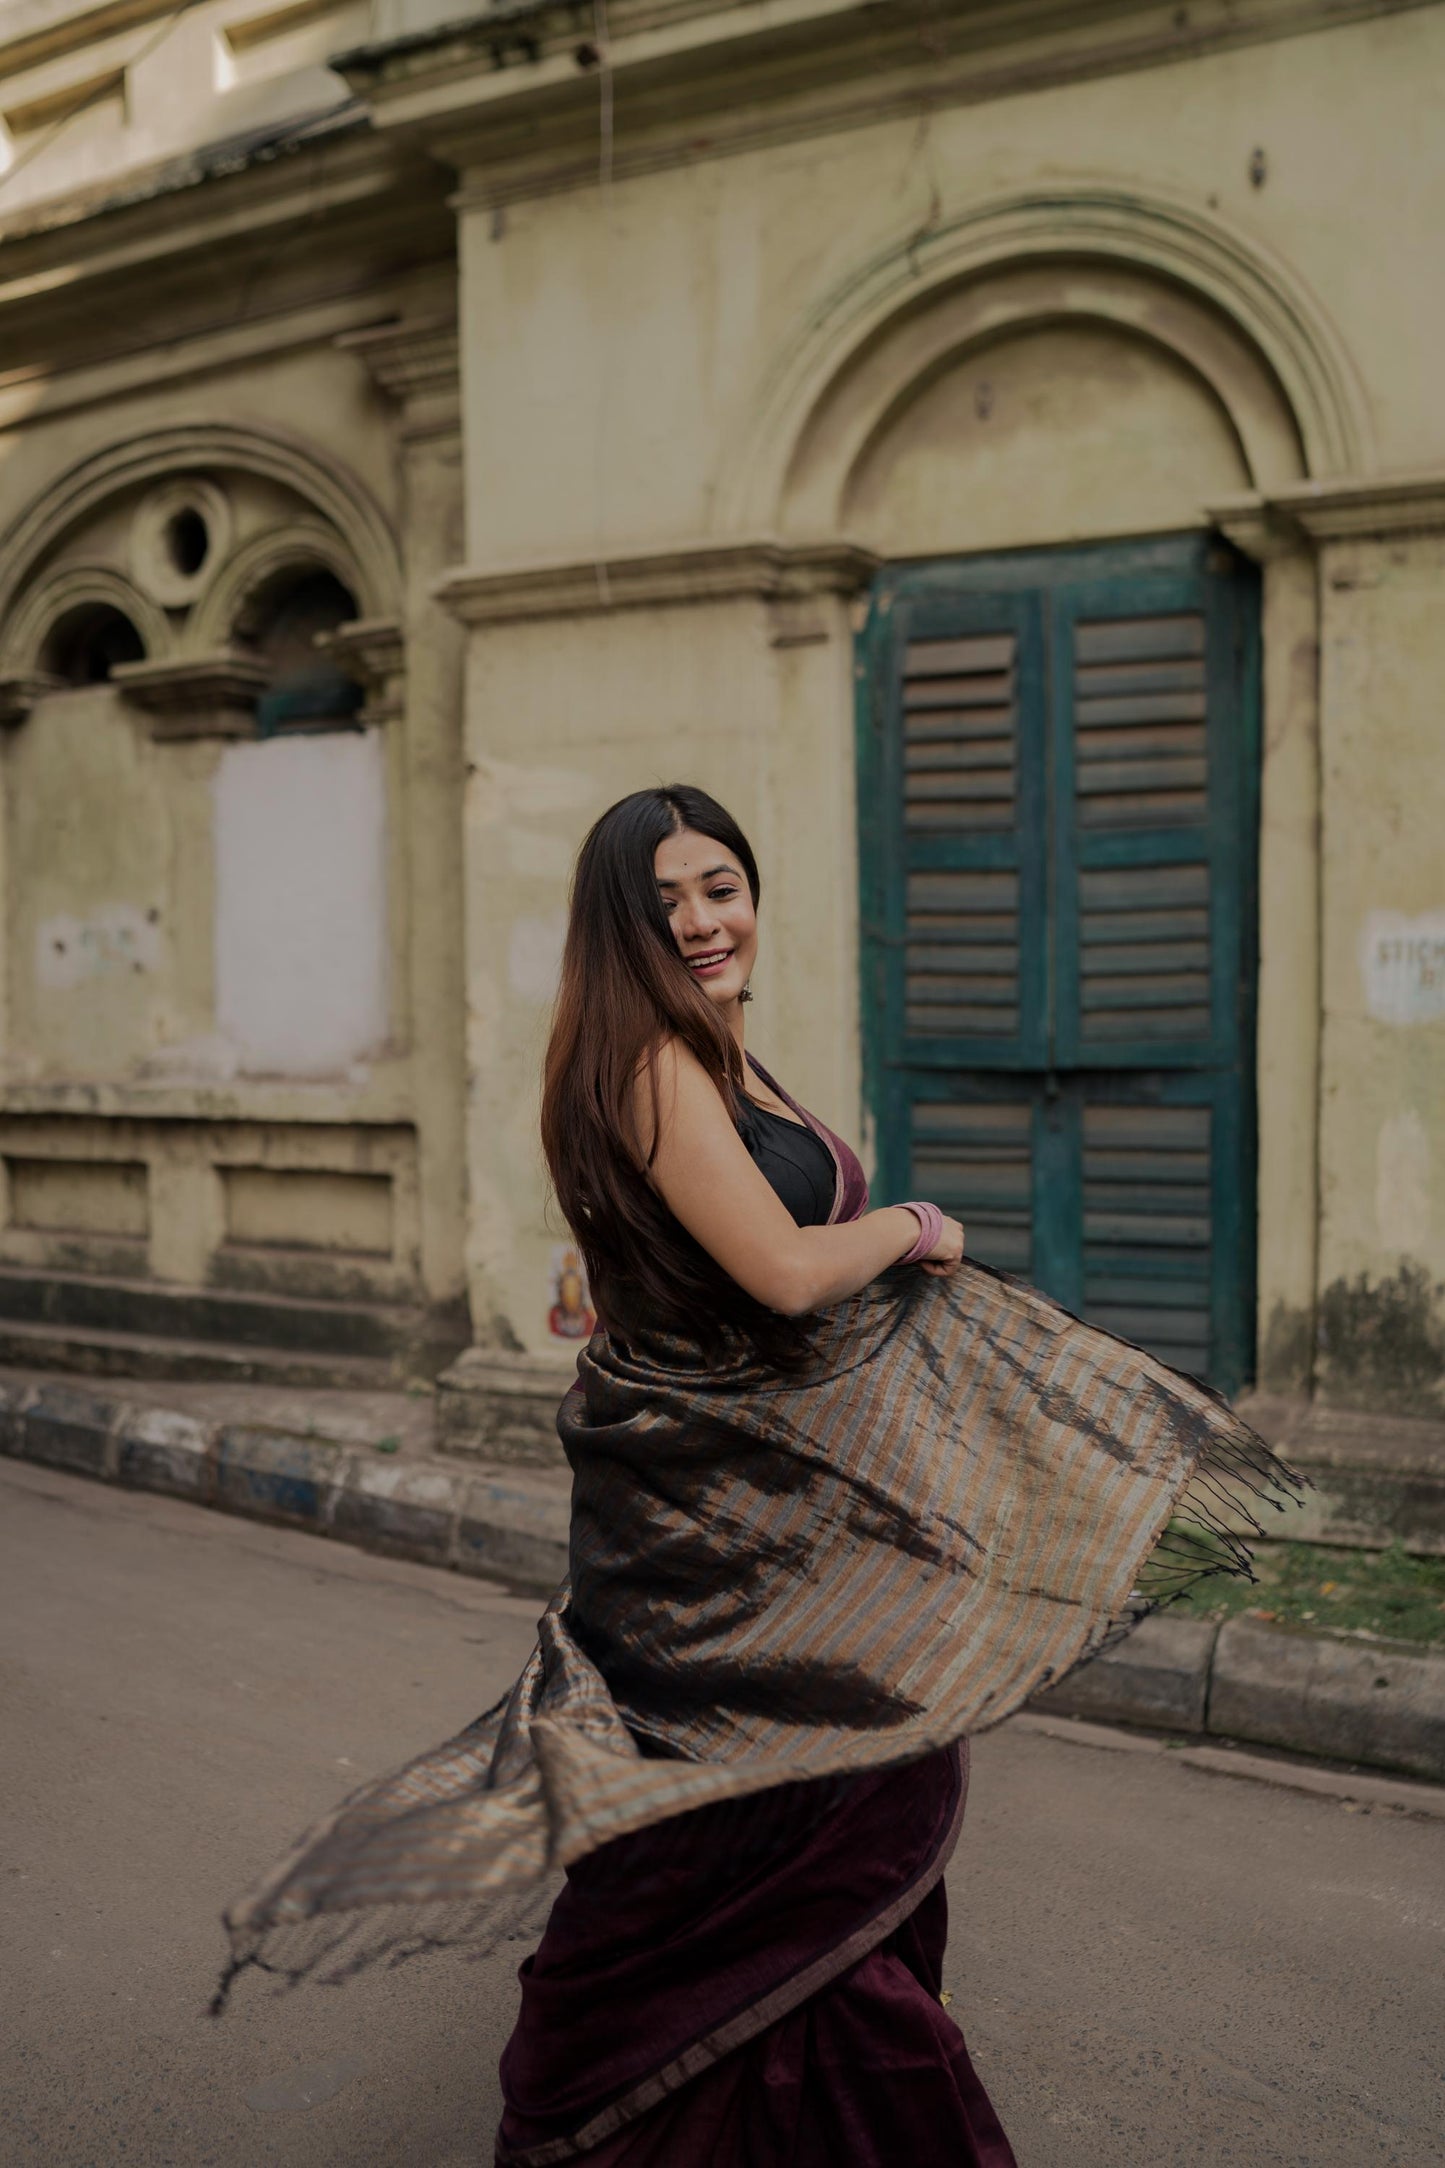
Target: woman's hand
<point>946,1251</point>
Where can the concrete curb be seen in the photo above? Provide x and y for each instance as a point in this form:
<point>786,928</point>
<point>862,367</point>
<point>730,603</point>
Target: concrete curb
<point>1343,1699</point>
<point>1339,1697</point>
<point>491,1525</point>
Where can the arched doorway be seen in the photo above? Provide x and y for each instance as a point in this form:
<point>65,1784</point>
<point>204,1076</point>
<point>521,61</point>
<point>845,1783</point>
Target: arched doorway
<point>1027,419</point>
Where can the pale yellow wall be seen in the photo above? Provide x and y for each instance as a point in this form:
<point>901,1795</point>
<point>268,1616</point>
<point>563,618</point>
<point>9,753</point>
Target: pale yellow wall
<point>638,346</point>
<point>1383,1083</point>
<point>563,718</point>
<point>652,342</point>
<point>107,950</point>
<point>1053,434</point>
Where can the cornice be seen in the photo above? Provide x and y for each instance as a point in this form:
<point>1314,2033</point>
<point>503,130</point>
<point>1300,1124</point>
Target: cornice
<point>1382,508</point>
<point>416,362</point>
<point>704,572</point>
<point>341,201</point>
<point>510,96</point>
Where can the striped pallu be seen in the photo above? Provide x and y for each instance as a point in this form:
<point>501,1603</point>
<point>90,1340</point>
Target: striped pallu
<point>774,1579</point>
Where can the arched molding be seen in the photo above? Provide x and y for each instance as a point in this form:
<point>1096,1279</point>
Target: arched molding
<point>71,587</point>
<point>1235,315</point>
<point>341,500</point>
<point>298,547</point>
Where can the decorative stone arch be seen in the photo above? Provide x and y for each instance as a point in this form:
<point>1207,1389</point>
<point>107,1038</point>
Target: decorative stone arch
<point>344,503</point>
<point>1239,319</point>
<point>70,587</point>
<point>257,566</point>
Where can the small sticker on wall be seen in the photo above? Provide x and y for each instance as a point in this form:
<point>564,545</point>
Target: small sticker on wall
<point>1402,961</point>
<point>571,1315</point>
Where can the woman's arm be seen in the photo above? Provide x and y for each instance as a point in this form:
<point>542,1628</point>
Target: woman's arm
<point>706,1177</point>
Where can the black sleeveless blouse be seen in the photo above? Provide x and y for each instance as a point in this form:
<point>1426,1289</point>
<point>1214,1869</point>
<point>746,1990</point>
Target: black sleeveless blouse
<point>794,1160</point>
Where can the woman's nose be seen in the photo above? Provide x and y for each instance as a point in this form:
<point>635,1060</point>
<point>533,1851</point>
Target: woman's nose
<point>697,917</point>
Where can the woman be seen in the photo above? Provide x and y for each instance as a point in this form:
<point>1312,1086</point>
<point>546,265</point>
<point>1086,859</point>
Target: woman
<point>839,1499</point>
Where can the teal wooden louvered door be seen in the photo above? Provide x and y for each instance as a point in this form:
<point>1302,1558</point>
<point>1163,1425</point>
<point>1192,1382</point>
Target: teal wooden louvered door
<point>1058,767</point>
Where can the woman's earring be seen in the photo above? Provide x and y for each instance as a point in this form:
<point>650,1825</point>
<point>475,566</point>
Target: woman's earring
<point>746,994</point>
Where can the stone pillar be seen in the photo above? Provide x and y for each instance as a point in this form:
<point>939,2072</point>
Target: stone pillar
<point>1381,1301</point>
<point>413,673</point>
<point>1352,946</point>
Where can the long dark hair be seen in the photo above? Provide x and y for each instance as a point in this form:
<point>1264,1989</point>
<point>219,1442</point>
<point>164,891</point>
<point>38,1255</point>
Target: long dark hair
<point>625,990</point>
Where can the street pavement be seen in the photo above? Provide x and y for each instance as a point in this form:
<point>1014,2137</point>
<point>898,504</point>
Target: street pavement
<point>1155,1967</point>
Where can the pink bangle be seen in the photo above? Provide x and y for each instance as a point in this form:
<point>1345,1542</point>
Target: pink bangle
<point>930,1227</point>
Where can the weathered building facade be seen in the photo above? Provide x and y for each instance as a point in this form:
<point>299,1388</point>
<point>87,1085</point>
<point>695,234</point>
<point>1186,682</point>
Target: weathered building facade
<point>995,449</point>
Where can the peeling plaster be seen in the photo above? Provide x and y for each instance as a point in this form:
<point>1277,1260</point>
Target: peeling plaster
<point>114,938</point>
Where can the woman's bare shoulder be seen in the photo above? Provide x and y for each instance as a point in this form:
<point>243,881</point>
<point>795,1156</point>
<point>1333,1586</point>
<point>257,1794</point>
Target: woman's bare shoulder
<point>671,1088</point>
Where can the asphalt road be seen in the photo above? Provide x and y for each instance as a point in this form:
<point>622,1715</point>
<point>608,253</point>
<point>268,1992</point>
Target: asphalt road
<point>1154,1966</point>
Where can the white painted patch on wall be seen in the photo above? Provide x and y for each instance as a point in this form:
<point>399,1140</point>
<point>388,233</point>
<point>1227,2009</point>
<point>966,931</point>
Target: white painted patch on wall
<point>534,955</point>
<point>115,938</point>
<point>300,929</point>
<point>1402,962</point>
<point>1402,1184</point>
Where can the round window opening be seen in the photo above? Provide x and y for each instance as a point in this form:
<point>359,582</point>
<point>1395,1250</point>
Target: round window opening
<point>188,541</point>
<point>180,535</point>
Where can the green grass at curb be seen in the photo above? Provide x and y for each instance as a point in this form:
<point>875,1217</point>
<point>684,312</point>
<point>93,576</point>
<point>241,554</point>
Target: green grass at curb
<point>1305,1584</point>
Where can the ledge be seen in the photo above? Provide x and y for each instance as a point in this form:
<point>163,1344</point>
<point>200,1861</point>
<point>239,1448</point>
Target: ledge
<point>1378,507</point>
<point>496,1405</point>
<point>203,696</point>
<point>19,694</point>
<point>687,573</point>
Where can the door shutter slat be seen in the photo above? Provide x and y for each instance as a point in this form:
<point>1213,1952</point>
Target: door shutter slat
<point>961,959</point>
<point>1146,1196</point>
<point>976,1162</point>
<point>1144,953</point>
<point>1162,778</point>
<point>937,789</point>
<point>1128,639</point>
<point>963,925</point>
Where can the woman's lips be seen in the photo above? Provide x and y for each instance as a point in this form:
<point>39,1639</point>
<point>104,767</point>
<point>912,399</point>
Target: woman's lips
<point>708,965</point>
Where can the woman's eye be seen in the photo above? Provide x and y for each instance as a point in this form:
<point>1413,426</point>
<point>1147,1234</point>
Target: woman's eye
<point>721,895</point>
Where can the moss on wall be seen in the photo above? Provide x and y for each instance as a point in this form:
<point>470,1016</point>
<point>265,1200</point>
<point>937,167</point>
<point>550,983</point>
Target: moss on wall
<point>1382,1343</point>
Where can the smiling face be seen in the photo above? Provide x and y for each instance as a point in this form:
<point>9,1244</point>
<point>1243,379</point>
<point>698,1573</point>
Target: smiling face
<point>710,909</point>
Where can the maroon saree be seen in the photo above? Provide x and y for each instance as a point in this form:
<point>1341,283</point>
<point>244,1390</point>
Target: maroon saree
<point>756,1983</point>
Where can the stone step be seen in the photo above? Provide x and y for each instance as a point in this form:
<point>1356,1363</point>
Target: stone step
<point>87,1303</point>
<point>159,1356</point>
<point>1377,1479</point>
